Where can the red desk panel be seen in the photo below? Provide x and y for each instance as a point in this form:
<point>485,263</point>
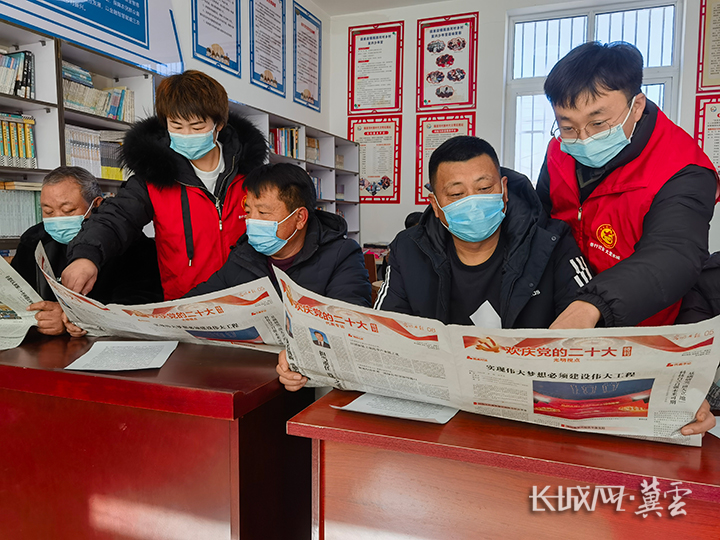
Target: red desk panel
<point>473,477</point>
<point>191,450</point>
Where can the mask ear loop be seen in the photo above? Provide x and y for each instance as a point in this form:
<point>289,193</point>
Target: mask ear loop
<point>632,104</point>
<point>286,218</point>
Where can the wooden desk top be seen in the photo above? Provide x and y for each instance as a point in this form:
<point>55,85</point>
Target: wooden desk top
<point>586,457</point>
<point>201,380</point>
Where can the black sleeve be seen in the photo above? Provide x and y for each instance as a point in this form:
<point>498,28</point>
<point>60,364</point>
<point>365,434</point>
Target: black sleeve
<point>135,276</point>
<point>114,225</point>
<point>570,271</point>
<point>224,278</point>
<point>543,188</point>
<point>24,262</point>
<point>350,282</point>
<point>392,295</point>
<point>668,257</point>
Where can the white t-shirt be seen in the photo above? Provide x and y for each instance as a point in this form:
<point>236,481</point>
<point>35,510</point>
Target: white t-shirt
<point>209,178</point>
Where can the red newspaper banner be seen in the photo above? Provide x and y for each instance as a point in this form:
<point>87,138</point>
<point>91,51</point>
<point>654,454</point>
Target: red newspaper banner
<point>375,68</point>
<point>709,47</point>
<point>432,131</point>
<point>379,138</point>
<point>707,125</point>
<point>447,62</point>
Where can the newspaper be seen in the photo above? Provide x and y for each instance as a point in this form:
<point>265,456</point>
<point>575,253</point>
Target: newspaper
<point>636,382</point>
<point>15,296</point>
<point>247,315</point>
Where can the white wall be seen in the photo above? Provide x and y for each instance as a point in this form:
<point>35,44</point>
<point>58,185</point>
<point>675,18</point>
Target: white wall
<point>240,89</point>
<point>382,222</point>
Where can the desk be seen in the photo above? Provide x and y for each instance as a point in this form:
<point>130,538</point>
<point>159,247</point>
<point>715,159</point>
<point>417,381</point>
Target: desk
<point>377,477</point>
<point>189,451</point>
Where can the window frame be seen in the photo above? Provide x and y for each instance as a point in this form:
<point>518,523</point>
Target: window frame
<point>669,75</point>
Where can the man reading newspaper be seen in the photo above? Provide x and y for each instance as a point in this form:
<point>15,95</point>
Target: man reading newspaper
<point>483,254</point>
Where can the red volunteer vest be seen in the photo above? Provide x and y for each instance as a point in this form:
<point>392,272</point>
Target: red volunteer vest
<point>610,221</point>
<point>212,237</point>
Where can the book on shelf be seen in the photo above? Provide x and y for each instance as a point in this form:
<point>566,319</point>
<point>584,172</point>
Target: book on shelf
<point>94,150</point>
<point>110,142</point>
<point>116,103</point>
<point>312,149</point>
<point>21,186</point>
<point>340,192</point>
<point>284,141</point>
<point>317,183</point>
<point>77,74</point>
<point>18,141</point>
<point>19,210</point>
<point>17,74</point>
<point>339,161</point>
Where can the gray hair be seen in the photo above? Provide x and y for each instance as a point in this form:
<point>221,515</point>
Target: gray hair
<point>89,187</point>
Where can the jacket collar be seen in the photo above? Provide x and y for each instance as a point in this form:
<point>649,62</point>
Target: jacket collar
<point>146,152</point>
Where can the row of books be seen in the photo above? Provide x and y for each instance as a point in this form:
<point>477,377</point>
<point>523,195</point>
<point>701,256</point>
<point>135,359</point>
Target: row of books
<point>284,141</point>
<point>19,210</point>
<point>93,150</point>
<point>75,73</point>
<point>116,103</point>
<point>17,74</point>
<point>312,149</point>
<point>18,141</point>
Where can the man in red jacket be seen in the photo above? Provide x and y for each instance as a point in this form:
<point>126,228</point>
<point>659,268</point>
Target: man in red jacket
<point>636,190</point>
<point>188,164</point>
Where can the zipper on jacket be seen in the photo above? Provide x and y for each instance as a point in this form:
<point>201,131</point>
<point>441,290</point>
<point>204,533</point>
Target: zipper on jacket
<point>217,206</point>
<point>580,213</point>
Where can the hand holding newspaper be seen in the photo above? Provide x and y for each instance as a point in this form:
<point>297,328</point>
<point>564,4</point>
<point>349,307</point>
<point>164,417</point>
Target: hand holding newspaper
<point>15,296</point>
<point>247,315</point>
<point>635,382</point>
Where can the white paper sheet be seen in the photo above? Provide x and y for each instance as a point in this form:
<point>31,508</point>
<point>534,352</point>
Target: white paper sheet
<point>400,408</point>
<point>124,355</point>
<point>716,430</point>
<point>15,296</point>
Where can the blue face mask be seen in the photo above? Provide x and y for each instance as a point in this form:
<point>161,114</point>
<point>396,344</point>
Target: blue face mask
<point>262,235</point>
<point>64,228</point>
<point>475,218</point>
<point>597,152</point>
<point>193,146</point>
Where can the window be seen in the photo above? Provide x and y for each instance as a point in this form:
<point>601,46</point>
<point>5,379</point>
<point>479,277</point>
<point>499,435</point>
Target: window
<point>539,42</point>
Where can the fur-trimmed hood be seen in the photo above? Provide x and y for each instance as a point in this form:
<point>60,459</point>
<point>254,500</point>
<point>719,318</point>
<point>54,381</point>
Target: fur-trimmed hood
<point>146,151</point>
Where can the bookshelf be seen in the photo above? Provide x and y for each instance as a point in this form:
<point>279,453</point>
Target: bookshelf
<point>340,184</point>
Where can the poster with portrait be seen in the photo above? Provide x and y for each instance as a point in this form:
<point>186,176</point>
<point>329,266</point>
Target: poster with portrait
<point>267,45</point>
<point>707,126</point>
<point>307,52</point>
<point>447,62</point>
<point>432,131</point>
<point>375,68</point>
<point>709,46</point>
<point>379,139</point>
<point>216,33</point>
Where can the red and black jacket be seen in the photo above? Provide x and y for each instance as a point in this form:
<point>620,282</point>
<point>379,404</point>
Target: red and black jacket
<point>643,227</point>
<point>194,229</point>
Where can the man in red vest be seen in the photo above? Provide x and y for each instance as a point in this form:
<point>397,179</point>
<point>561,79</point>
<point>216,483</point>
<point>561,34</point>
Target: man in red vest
<point>635,188</point>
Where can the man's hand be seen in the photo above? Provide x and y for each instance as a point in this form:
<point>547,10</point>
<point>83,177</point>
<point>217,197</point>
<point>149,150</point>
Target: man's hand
<point>292,381</point>
<point>48,317</point>
<point>73,330</point>
<point>704,421</point>
<point>579,314</point>
<point>80,276</point>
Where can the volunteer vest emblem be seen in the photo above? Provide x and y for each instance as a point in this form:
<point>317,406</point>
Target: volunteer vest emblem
<point>606,235</point>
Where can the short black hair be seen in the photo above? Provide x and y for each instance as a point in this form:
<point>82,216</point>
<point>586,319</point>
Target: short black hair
<point>412,219</point>
<point>594,68</point>
<point>461,148</point>
<point>294,185</point>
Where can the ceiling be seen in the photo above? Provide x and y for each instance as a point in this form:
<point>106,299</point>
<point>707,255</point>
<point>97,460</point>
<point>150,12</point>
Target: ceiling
<point>344,7</point>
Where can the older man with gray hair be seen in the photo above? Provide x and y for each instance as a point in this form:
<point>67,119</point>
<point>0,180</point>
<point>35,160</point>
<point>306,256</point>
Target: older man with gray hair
<point>68,196</point>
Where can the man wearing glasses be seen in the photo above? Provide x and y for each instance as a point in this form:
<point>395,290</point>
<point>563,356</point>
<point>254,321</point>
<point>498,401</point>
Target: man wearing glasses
<point>635,188</point>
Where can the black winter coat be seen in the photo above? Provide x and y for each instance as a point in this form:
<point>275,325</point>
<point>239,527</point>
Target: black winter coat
<point>703,300</point>
<point>541,266</point>
<point>131,279</point>
<point>674,237</point>
<point>328,264</point>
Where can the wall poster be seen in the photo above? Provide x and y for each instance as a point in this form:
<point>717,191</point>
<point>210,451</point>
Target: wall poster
<point>307,52</point>
<point>707,126</point>
<point>375,68</point>
<point>379,138</point>
<point>267,45</point>
<point>447,62</point>
<point>709,47</point>
<point>216,33</point>
<point>432,131</point>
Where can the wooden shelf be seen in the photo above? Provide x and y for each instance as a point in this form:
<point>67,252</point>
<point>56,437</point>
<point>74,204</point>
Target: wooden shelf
<point>9,243</point>
<point>8,101</point>
<point>93,121</point>
<point>23,171</point>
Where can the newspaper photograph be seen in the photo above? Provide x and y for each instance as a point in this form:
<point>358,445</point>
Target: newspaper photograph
<point>247,315</point>
<point>15,296</point>
<point>640,382</point>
